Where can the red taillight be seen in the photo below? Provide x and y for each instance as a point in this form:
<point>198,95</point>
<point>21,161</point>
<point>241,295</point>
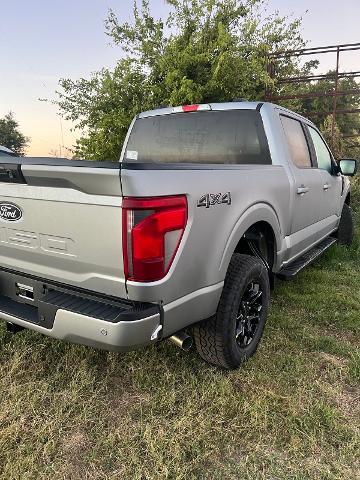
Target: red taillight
<point>152,231</point>
<point>190,108</point>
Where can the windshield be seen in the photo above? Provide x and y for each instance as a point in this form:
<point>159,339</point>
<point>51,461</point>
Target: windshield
<point>230,136</point>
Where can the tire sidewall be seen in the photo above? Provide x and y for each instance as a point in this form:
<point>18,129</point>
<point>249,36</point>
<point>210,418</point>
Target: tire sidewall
<point>345,233</point>
<point>233,296</point>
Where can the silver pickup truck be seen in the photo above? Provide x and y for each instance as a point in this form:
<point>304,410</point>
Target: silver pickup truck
<point>181,239</point>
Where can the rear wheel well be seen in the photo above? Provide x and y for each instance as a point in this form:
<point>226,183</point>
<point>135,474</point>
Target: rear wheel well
<point>348,199</point>
<point>259,241</point>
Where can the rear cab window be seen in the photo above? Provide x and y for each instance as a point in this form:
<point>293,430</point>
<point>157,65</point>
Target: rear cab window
<point>297,142</point>
<point>208,137</point>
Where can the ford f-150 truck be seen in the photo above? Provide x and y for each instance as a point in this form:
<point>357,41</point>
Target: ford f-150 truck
<point>181,239</point>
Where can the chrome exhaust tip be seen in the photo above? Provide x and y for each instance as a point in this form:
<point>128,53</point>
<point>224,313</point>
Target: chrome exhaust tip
<point>182,340</point>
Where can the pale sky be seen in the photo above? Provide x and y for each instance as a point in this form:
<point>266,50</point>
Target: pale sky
<point>44,40</point>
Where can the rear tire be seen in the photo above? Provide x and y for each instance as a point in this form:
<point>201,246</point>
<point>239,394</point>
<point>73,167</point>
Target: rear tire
<point>233,334</point>
<point>345,232</point>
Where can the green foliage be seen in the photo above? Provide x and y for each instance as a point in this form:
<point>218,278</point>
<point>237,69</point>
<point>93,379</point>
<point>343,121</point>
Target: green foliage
<point>10,135</point>
<point>347,124</point>
<point>333,136</point>
<point>204,51</point>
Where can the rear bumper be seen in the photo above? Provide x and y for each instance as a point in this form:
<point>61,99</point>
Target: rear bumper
<point>83,317</point>
<point>108,323</point>
<point>91,331</point>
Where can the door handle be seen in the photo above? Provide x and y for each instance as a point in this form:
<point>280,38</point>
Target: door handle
<point>301,190</point>
<point>326,186</point>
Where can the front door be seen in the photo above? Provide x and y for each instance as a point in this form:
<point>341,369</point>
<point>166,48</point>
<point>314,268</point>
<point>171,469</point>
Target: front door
<point>331,184</point>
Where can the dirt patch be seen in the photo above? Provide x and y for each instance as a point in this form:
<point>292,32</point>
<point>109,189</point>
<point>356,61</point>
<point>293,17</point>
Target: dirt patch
<point>348,401</point>
<point>334,360</point>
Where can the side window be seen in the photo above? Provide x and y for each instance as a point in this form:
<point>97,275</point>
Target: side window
<point>322,153</point>
<point>296,139</point>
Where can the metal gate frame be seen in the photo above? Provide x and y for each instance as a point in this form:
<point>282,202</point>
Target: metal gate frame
<point>335,76</point>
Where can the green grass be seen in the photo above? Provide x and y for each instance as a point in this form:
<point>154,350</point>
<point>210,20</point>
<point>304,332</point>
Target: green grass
<point>291,412</point>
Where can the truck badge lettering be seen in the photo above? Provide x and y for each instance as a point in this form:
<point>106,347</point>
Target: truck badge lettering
<point>210,199</point>
<point>10,212</point>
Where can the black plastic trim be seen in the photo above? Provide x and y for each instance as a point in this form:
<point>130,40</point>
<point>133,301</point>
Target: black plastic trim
<point>64,285</point>
<point>290,271</point>
<point>57,162</point>
<point>19,310</point>
<point>51,296</point>
<point>162,314</point>
<point>258,106</point>
<point>192,166</point>
<point>112,312</point>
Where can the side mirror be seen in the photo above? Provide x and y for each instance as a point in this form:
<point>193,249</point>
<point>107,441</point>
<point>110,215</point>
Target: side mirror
<point>348,166</point>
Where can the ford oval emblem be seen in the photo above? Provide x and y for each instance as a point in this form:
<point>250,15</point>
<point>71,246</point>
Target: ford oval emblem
<point>10,212</point>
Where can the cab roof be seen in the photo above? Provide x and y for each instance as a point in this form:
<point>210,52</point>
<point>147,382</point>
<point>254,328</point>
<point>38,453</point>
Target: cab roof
<point>241,105</point>
<point>235,105</point>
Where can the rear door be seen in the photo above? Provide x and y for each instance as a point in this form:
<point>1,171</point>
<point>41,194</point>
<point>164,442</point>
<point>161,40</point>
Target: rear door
<point>307,193</point>
<point>331,183</point>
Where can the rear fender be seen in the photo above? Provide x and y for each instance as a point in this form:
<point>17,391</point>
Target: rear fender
<point>260,212</point>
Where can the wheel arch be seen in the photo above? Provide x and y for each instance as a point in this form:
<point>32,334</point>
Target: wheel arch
<point>259,241</point>
<point>258,218</point>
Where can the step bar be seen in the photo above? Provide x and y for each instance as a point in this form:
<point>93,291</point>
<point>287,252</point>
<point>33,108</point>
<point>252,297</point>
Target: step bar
<point>290,271</point>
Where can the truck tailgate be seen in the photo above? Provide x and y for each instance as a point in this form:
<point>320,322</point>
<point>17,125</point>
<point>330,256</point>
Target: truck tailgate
<point>61,220</point>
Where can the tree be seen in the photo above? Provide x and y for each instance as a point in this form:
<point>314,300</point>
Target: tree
<point>333,136</point>
<point>205,51</point>
<point>346,124</point>
<point>10,135</point>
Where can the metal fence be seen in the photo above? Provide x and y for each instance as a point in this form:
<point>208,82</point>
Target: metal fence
<point>334,76</point>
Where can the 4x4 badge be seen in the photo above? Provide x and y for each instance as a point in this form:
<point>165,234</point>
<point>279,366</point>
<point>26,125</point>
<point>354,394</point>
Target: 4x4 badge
<point>210,199</point>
